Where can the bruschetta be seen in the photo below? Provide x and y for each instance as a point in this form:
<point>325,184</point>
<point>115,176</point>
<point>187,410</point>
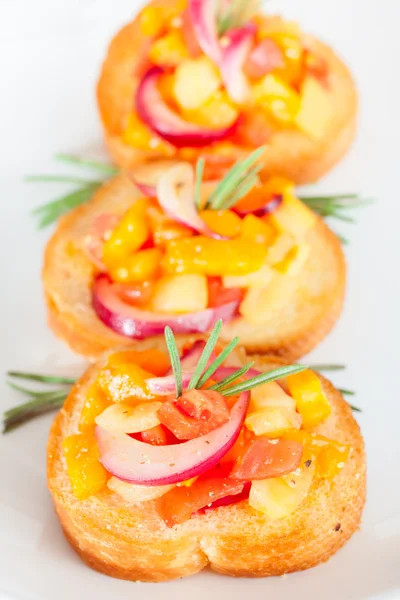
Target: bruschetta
<point>254,479</point>
<point>184,79</point>
<point>123,266</point>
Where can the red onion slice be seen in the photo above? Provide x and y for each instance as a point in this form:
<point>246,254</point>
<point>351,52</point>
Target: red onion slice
<point>153,111</point>
<point>163,386</point>
<point>175,193</point>
<point>204,20</point>
<point>233,59</point>
<point>129,321</point>
<point>147,176</point>
<point>137,462</point>
<point>269,207</point>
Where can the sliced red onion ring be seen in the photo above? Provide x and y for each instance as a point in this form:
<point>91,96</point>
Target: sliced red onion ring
<point>137,462</point>
<point>269,207</point>
<point>153,111</point>
<point>204,19</point>
<point>233,59</point>
<point>175,193</point>
<point>139,324</point>
<point>147,176</point>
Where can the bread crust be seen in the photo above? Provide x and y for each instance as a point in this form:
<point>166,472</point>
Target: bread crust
<point>290,153</point>
<point>131,542</point>
<point>68,276</point>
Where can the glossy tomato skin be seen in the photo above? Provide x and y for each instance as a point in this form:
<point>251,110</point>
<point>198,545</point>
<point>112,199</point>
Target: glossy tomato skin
<point>157,436</point>
<point>178,505</point>
<point>195,413</point>
<point>218,295</point>
<point>267,458</point>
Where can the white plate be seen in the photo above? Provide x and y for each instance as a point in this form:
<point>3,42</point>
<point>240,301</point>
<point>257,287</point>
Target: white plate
<point>50,53</point>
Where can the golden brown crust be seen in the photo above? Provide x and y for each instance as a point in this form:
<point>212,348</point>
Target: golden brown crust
<point>131,542</point>
<point>290,153</point>
<point>294,331</point>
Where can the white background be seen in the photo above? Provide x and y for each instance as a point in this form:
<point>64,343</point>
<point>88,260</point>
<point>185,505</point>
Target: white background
<point>50,54</point>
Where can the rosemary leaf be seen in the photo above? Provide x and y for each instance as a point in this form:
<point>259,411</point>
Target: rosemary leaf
<point>57,179</point>
<point>198,181</point>
<point>32,393</point>
<point>18,415</point>
<point>355,408</point>
<point>91,164</point>
<point>327,367</point>
<point>50,212</point>
<point>205,355</point>
<point>227,380</point>
<point>235,176</point>
<point>41,378</point>
<point>217,362</point>
<point>346,392</point>
<point>262,378</point>
<point>175,360</point>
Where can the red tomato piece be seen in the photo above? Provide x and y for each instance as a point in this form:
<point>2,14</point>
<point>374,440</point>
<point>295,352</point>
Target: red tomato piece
<point>211,407</point>
<point>218,295</point>
<point>263,59</point>
<point>204,405</point>
<point>157,436</point>
<point>254,129</point>
<point>268,458</point>
<point>136,295</point>
<point>179,504</point>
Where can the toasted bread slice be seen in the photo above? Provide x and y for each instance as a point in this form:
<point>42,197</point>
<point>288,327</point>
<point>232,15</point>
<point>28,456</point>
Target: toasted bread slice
<point>290,332</point>
<point>130,541</point>
<point>289,152</point>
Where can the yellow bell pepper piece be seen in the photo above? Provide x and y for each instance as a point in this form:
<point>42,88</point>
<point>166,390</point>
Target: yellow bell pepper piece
<point>86,473</point>
<point>312,403</point>
<point>95,402</point>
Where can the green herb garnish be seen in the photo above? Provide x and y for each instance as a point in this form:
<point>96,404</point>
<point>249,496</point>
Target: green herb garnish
<point>198,181</point>
<point>175,359</point>
<point>205,356</point>
<point>327,367</point>
<point>230,378</point>
<point>51,211</point>
<point>40,401</point>
<point>336,206</point>
<point>273,375</point>
<point>241,178</point>
<point>237,14</point>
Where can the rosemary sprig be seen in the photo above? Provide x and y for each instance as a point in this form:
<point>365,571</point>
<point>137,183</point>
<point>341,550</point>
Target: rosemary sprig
<point>336,206</point>
<point>208,373</point>
<point>236,183</point>
<point>175,360</point>
<point>205,356</point>
<point>39,402</point>
<point>273,375</point>
<point>230,378</point>
<point>198,181</point>
<point>237,13</point>
<point>327,367</point>
<point>51,211</point>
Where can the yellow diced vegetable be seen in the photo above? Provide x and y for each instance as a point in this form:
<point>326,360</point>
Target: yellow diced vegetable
<point>311,401</point>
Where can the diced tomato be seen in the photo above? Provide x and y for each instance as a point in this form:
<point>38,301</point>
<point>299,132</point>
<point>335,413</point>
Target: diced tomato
<point>318,67</point>
<point>189,36</point>
<point>253,130</point>
<point>179,504</point>
<point>232,499</point>
<point>136,295</point>
<point>218,295</point>
<point>178,415</point>
<point>204,405</point>
<point>157,436</point>
<point>246,437</point>
<point>268,458</point>
<point>263,59</point>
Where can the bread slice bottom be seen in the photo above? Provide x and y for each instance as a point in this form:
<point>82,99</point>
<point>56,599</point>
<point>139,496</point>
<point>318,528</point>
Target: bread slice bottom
<point>290,330</point>
<point>130,541</point>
